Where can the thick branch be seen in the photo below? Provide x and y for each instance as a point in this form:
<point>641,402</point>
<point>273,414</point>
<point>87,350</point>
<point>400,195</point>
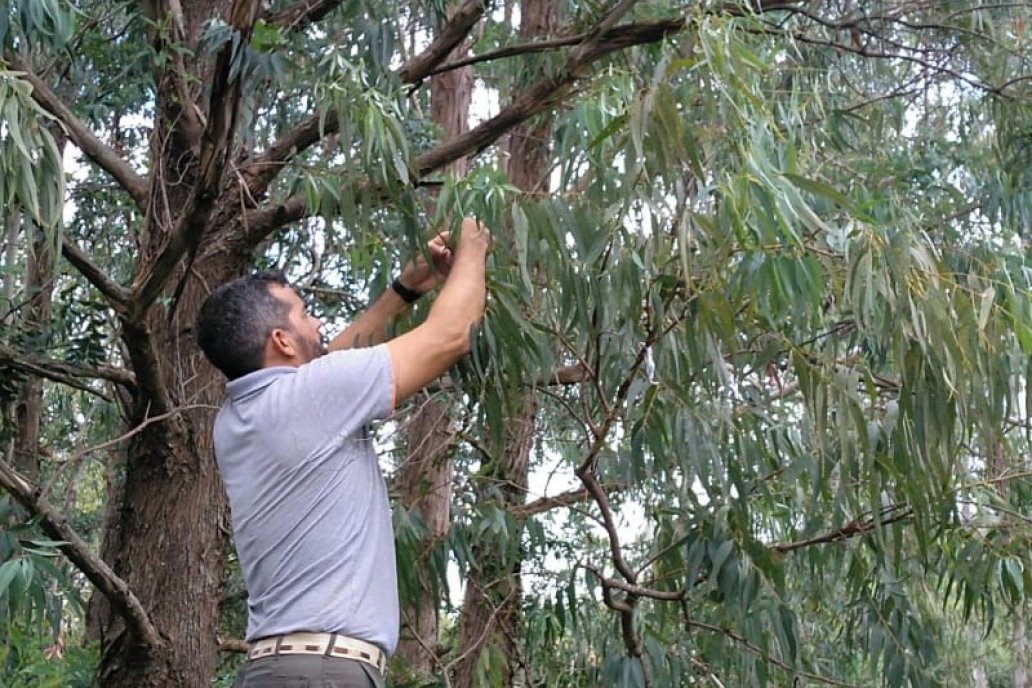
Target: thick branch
<point>637,590</point>
<point>511,51</point>
<point>540,506</point>
<point>301,14</point>
<point>564,499</point>
<point>545,93</point>
<point>78,552</point>
<point>216,143</point>
<point>147,366</point>
<point>261,170</point>
<point>261,222</point>
<point>614,15</point>
<point>63,372</point>
<point>567,375</point>
<point>116,294</point>
<point>453,32</point>
<point>94,149</point>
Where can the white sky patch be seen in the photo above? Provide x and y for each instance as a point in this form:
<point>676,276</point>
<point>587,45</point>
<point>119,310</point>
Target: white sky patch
<point>484,105</point>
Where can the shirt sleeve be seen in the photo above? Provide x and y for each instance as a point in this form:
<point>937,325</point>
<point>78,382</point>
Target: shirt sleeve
<point>344,390</point>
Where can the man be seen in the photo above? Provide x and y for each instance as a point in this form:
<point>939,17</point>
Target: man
<point>309,506</point>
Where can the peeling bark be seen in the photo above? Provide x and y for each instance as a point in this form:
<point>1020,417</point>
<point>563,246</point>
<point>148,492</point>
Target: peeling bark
<point>424,483</point>
<point>491,615</point>
<point>28,412</point>
<point>425,479</point>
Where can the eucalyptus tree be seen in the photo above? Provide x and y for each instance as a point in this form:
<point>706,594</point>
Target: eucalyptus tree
<point>760,291</point>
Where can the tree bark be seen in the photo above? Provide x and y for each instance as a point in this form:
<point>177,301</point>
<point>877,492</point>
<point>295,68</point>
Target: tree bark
<point>39,287</point>
<point>169,532</point>
<point>490,625</point>
<point>12,230</point>
<point>491,617</point>
<point>35,319</point>
<point>424,483</point>
<point>425,478</point>
<point>167,535</point>
<point>1019,646</point>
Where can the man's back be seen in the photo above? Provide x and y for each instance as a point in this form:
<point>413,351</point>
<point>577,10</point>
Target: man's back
<point>311,518</point>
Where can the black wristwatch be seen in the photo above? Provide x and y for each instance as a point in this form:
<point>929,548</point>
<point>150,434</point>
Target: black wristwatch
<point>407,295</point>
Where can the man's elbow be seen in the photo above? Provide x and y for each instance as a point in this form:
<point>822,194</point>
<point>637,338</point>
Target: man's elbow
<point>452,328</point>
<point>448,337</point>
<point>460,341</point>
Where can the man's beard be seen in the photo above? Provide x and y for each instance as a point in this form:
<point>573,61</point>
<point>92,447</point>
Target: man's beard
<point>314,348</point>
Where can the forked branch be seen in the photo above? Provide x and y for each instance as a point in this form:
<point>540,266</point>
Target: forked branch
<point>216,145</point>
<point>63,372</point>
<point>56,526</point>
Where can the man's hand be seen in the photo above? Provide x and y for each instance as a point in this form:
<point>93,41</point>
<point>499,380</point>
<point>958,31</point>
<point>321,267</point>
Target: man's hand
<point>474,235</point>
<point>421,355</point>
<point>421,276</point>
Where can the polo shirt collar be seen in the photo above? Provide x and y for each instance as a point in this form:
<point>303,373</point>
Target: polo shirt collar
<point>252,383</point>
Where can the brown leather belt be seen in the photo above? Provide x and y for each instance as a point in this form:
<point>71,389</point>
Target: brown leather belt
<point>327,644</point>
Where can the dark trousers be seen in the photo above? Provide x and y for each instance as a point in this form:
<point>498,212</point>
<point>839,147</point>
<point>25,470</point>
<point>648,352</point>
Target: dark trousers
<point>307,671</point>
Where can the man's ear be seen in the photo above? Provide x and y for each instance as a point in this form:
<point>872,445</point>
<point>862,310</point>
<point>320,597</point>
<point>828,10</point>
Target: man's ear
<point>282,343</point>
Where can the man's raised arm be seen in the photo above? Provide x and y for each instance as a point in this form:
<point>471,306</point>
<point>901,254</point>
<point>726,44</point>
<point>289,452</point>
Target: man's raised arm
<point>416,278</point>
<point>422,355</point>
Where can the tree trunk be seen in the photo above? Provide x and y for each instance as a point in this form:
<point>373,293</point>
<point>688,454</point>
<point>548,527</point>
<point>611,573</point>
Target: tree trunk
<point>491,620</point>
<point>39,287</point>
<point>425,479</point>
<point>12,234</point>
<point>424,483</point>
<point>167,538</point>
<point>1019,646</point>
<point>490,625</point>
<point>170,531</point>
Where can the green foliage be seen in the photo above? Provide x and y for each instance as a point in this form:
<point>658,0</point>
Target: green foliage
<point>32,661</point>
<point>31,174</point>
<point>787,255</point>
<point>39,600</point>
<point>47,22</point>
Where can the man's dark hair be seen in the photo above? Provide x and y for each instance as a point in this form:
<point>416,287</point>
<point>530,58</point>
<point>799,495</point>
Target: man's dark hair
<point>236,319</point>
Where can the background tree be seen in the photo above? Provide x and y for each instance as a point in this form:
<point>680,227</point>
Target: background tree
<point>749,404</point>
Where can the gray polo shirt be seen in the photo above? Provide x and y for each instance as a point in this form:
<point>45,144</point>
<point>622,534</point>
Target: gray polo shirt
<point>311,519</point>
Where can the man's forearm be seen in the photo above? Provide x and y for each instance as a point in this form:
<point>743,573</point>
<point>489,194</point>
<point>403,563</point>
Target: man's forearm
<point>370,328</point>
<point>461,300</point>
<point>458,307</point>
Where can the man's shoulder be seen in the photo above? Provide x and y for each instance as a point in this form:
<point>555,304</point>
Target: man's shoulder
<point>365,360</point>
